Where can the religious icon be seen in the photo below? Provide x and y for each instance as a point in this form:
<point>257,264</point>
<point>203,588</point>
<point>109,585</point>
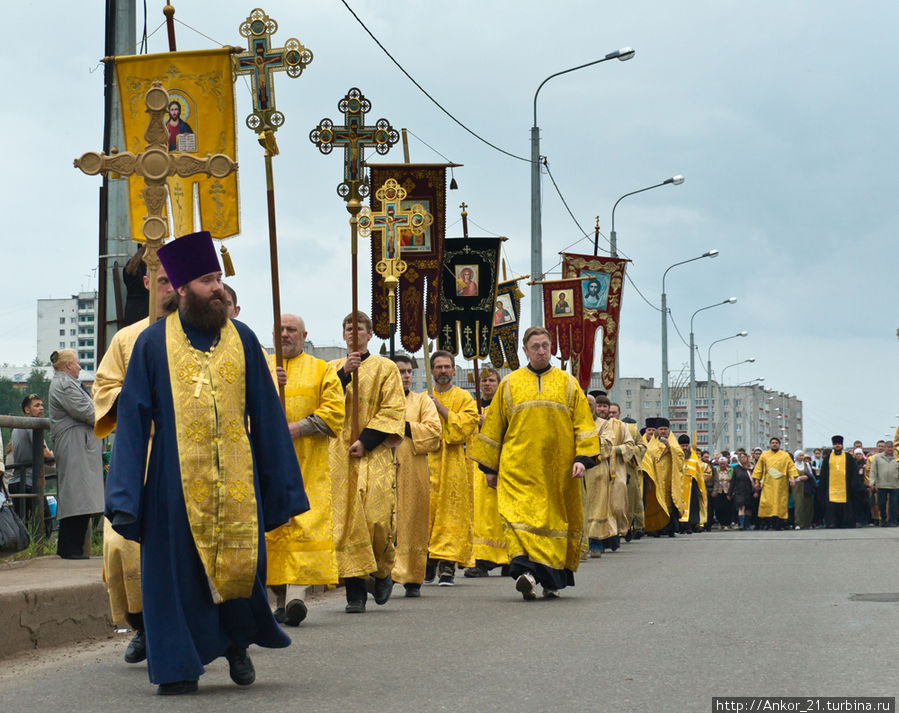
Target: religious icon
<point>504,312</point>
<point>181,135</point>
<point>595,291</point>
<point>466,280</point>
<point>410,242</point>
<point>562,301</point>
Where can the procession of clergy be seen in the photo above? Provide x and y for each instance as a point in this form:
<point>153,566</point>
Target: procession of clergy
<point>213,495</point>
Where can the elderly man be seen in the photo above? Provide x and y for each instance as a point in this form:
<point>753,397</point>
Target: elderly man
<point>363,469</point>
<point>452,497</point>
<point>121,557</point>
<point>301,552</point>
<point>885,482</point>
<point>535,445</point>
<point>423,433</point>
<point>199,397</point>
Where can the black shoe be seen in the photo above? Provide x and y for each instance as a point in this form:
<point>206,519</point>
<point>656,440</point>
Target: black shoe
<point>357,606</point>
<point>176,688</point>
<point>629,536</point>
<point>383,589</point>
<point>446,580</point>
<point>504,571</point>
<point>295,612</point>
<point>240,666</point>
<point>476,571</point>
<point>137,648</point>
<point>614,543</point>
<point>430,571</point>
<point>279,615</point>
<point>412,590</point>
<point>638,534</point>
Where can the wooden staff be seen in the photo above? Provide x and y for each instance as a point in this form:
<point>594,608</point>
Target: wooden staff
<point>267,141</point>
<point>426,351</point>
<point>353,206</point>
<point>169,12</point>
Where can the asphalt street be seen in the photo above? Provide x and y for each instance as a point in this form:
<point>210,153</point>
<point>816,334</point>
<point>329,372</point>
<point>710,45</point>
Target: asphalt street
<point>661,625</point>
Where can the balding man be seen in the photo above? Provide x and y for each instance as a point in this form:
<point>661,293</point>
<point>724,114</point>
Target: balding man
<point>302,551</point>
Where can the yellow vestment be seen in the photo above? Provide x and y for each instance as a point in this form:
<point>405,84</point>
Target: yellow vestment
<point>596,482</point>
<point>693,472</point>
<point>535,427</point>
<point>837,479</point>
<point>634,479</point>
<point>121,557</point>
<point>363,490</point>
<point>669,465</point>
<point>452,497</point>
<point>489,541</point>
<point>774,470</point>
<point>302,551</point>
<point>413,488</point>
<point>622,448</point>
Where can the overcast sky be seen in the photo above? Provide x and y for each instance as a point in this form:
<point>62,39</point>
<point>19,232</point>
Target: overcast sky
<point>782,117</point>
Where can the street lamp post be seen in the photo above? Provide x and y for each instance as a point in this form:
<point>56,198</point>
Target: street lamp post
<point>624,54</point>
<point>708,371</point>
<point>750,360</point>
<point>709,253</point>
<point>692,415</point>
<point>613,242</point>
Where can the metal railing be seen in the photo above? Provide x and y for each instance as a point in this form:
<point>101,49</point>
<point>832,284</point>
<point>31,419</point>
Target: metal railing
<point>37,426</point>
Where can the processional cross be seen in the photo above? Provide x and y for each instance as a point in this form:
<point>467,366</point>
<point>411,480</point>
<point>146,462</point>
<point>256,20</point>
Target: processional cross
<point>354,136</point>
<point>388,222</point>
<point>155,164</point>
<point>260,62</point>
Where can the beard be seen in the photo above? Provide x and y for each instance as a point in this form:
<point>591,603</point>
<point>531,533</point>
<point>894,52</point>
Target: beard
<point>207,315</point>
<point>443,379</point>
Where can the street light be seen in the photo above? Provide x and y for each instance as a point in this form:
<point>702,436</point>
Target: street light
<point>613,236</point>
<point>711,410</point>
<point>709,253</point>
<point>752,382</point>
<point>613,241</point>
<point>692,415</point>
<point>750,360</point>
<point>624,54</point>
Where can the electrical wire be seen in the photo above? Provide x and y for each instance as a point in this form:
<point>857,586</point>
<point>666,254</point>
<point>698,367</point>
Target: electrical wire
<point>409,131</point>
<point>671,317</point>
<point>424,91</point>
<point>223,44</point>
<point>143,40</point>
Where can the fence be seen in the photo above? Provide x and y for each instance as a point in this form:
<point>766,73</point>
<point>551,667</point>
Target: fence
<point>37,426</point>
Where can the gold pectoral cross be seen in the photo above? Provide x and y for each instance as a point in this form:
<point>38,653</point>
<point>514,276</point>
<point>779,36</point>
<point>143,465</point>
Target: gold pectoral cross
<point>199,380</point>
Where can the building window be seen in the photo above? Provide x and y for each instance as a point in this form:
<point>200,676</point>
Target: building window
<point>62,345</point>
<point>628,405</point>
<point>627,392</point>
<point>72,345</point>
<point>72,320</point>
<point>738,426</point>
<point>647,404</point>
<point>738,402</point>
<point>62,332</point>
<point>71,332</point>
<point>62,320</point>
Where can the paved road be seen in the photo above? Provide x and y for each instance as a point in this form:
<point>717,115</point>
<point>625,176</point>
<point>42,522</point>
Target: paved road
<point>661,625</point>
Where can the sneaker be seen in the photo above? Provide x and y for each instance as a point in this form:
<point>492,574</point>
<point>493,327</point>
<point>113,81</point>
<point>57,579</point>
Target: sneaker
<point>412,590</point>
<point>477,571</point>
<point>549,593</point>
<point>357,606</point>
<point>446,580</point>
<point>526,584</point>
<point>295,612</point>
<point>137,648</point>
<point>240,666</point>
<point>176,688</point>
<point>279,615</point>
<point>383,589</point>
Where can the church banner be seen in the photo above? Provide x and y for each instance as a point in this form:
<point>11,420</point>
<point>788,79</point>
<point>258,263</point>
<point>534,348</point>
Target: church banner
<point>468,295</point>
<point>506,313</point>
<point>563,316</point>
<point>419,285</point>
<point>200,120</point>
<point>601,297</point>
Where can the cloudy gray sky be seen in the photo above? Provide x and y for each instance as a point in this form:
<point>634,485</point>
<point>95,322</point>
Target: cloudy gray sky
<point>780,115</point>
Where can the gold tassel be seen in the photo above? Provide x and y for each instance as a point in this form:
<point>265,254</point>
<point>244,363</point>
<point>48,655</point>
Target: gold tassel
<point>226,262</point>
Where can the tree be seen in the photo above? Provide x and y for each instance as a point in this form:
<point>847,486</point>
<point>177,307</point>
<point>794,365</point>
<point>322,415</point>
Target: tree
<point>39,384</point>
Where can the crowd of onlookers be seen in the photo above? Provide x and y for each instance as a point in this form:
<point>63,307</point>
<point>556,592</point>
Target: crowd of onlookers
<point>733,495</point>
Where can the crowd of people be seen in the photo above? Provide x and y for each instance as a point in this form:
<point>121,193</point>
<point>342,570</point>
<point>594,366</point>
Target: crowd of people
<point>218,493</point>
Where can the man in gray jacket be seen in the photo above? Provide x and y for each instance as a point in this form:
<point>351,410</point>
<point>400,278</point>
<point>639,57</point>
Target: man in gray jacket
<point>885,482</point>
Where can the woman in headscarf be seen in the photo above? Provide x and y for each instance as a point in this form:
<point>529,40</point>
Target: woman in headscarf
<point>740,492</point>
<point>803,488</point>
<point>79,459</point>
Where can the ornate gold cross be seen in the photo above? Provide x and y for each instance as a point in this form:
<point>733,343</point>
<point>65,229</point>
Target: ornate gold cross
<point>199,379</point>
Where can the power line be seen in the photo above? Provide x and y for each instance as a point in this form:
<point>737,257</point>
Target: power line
<point>424,91</point>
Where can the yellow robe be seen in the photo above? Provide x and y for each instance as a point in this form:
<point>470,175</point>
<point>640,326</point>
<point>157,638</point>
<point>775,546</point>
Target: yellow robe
<point>363,490</point>
<point>620,453</point>
<point>774,470</point>
<point>489,541</point>
<point>597,479</point>
<point>669,464</point>
<point>302,551</point>
<point>535,427</point>
<point>413,488</point>
<point>452,496</point>
<point>634,479</point>
<point>693,471</point>
<point>121,557</point>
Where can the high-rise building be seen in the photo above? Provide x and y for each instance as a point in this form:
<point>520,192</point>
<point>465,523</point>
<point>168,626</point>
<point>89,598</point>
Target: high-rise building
<point>68,324</point>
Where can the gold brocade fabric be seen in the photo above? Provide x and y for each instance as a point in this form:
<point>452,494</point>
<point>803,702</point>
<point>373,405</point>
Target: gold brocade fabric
<point>302,550</point>
<point>656,513</point>
<point>121,573</point>
<point>635,510</point>
<point>693,471</point>
<point>363,490</point>
<point>669,464</point>
<point>111,375</point>
<point>773,470</point>
<point>209,395</point>
<point>413,488</point>
<point>597,482</point>
<point>489,540</point>
<point>837,484</point>
<point>452,493</point>
<point>535,427</point>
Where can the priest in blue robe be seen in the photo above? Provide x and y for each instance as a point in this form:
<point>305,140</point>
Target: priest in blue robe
<point>198,396</point>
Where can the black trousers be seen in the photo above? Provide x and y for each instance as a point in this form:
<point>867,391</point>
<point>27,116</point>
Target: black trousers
<point>839,514</point>
<point>72,531</point>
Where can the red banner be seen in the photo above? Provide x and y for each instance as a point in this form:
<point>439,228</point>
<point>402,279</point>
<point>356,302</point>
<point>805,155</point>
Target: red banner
<point>563,316</point>
<point>601,299</point>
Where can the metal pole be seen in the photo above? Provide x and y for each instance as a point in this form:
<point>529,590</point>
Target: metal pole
<point>536,229</point>
<point>708,391</point>
<point>664,353</point>
<point>692,389</point>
